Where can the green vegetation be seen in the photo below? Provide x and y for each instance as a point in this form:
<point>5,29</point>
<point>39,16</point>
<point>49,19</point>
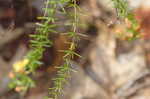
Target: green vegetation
<point>23,69</point>
<point>125,13</point>
<point>21,80</point>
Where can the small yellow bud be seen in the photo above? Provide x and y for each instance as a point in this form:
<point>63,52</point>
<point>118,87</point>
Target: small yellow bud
<point>19,66</point>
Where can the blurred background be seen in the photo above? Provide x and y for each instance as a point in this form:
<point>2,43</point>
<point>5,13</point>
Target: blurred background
<point>111,67</point>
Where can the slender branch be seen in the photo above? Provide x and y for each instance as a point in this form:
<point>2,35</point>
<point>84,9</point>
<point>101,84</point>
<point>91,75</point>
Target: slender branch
<point>64,71</point>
